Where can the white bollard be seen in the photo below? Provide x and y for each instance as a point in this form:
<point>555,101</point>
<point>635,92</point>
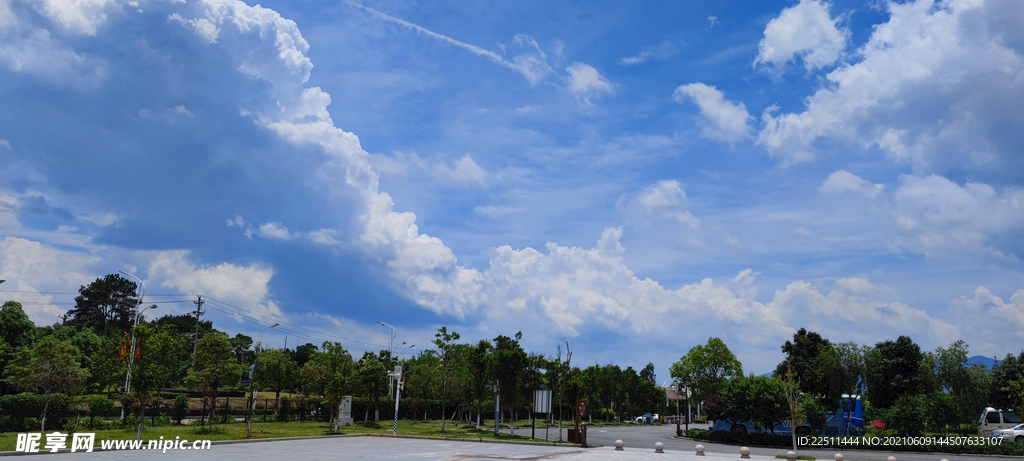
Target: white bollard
<point>839,457</point>
<point>745,453</point>
<point>659,447</point>
<point>790,455</point>
<point>700,450</point>
<point>891,458</point>
<point>618,445</point>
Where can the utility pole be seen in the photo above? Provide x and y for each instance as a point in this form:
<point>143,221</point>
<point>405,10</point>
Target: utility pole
<point>195,338</point>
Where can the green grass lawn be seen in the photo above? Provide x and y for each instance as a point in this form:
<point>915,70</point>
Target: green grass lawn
<point>261,430</point>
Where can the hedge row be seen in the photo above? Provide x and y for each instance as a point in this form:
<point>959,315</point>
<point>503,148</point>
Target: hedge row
<point>784,441</point>
<point>20,411</point>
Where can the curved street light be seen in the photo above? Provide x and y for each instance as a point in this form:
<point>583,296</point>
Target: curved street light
<point>131,356</point>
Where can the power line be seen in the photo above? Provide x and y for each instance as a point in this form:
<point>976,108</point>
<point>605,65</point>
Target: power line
<point>284,330</point>
<point>295,326</point>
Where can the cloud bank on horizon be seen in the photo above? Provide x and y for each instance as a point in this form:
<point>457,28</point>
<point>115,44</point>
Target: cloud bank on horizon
<point>193,142</point>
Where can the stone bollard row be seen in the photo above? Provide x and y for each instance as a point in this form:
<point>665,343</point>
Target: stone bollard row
<point>839,457</point>
<point>891,458</point>
<point>700,450</point>
<point>745,453</point>
<point>790,455</point>
<point>618,445</point>
<point>659,447</point>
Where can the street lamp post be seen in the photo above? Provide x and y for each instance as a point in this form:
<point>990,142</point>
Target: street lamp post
<point>131,356</point>
<point>250,394</point>
<point>391,348</point>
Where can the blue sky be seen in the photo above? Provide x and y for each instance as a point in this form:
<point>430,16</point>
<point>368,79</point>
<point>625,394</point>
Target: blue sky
<point>632,177</point>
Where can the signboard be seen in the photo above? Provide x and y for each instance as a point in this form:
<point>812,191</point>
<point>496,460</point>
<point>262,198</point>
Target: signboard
<point>542,401</point>
<point>581,409</point>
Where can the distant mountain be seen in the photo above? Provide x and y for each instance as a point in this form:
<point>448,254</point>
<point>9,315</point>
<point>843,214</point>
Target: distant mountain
<point>987,361</point>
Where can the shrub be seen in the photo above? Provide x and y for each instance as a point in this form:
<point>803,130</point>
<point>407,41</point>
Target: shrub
<point>284,406</point>
<point>99,407</point>
<point>180,410</point>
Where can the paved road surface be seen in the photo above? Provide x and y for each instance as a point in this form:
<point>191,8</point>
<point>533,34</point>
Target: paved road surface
<point>644,437</point>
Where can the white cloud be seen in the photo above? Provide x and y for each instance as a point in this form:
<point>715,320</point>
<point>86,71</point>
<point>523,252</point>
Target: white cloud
<point>856,310</point>
<point>78,16</point>
<point>205,29</point>
<point>667,199</point>
<point>661,52</point>
<point>30,267</point>
<point>805,30</point>
<point>273,230</point>
<point>3,142</point>
<point>988,321</point>
<point>843,181</point>
<point>713,20</point>
<point>937,216</point>
<point>585,83</point>
<point>103,219</point>
<point>493,212</point>
<point>463,172</point>
<point>245,285</point>
<point>726,120</point>
<point>39,54</point>
<point>936,86</point>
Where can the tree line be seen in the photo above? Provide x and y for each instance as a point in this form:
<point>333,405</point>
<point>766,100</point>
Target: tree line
<point>910,389</point>
<point>91,353</point>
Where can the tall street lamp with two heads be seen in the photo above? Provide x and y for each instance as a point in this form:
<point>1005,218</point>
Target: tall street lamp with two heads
<point>250,398</point>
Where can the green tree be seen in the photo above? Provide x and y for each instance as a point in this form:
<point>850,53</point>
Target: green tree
<point>842,369</point>
<point>648,373</point>
<point>16,331</point>
<point>476,362</point>
<point>508,360</point>
<point>791,388</point>
<point>707,369</point>
<point>966,384</point>
<point>48,367</point>
<point>806,353</point>
<point>106,305</point>
<point>1002,373</point>
<point>893,370</point>
<point>275,370</point>
<point>328,373</point>
<point>154,365</point>
<point>303,353</point>
<point>814,413</point>
<point>445,343</point>
<point>371,379</point>
<point>214,367</point>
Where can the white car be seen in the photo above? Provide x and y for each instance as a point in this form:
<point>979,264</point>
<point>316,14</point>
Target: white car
<point>1013,434</point>
<point>653,419</point>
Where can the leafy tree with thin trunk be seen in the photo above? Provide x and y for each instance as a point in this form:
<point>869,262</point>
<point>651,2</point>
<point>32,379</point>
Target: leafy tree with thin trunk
<point>708,368</point>
<point>791,387</point>
<point>445,343</point>
<point>215,367</point>
<point>49,367</point>
<point>508,362</point>
<point>276,371</point>
<point>372,381</point>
